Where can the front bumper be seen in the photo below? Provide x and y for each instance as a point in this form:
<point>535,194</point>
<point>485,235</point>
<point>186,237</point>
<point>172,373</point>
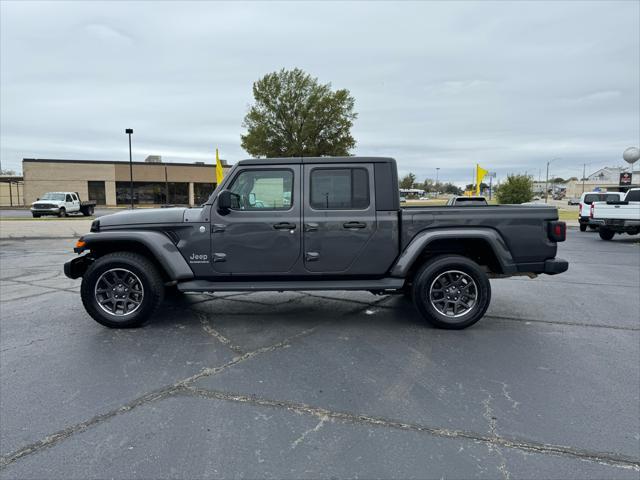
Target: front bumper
<point>554,266</point>
<point>76,267</point>
<point>44,211</point>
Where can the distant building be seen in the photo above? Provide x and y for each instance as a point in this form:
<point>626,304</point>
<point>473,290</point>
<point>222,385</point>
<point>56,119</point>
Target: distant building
<point>605,179</point>
<point>11,191</point>
<point>107,182</point>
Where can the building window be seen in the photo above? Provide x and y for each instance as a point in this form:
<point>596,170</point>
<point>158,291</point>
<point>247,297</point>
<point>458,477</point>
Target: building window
<point>97,192</point>
<point>153,193</point>
<point>339,189</point>
<point>202,192</point>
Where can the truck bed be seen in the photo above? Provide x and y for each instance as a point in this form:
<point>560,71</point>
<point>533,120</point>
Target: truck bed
<point>523,229</point>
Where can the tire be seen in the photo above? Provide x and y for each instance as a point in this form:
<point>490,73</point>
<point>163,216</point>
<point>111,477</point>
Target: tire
<point>122,270</point>
<point>466,275</point>
<point>62,212</point>
<point>36,215</point>
<point>593,227</point>
<point>606,234</point>
<point>583,227</point>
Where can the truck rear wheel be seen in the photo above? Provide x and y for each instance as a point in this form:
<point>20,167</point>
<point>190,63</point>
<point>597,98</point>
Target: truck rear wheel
<point>122,290</point>
<point>606,234</point>
<point>451,292</point>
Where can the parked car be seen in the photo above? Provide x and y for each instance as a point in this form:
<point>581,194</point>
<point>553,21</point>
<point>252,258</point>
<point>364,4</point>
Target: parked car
<point>573,201</point>
<point>61,204</point>
<point>343,230</point>
<point>586,199</point>
<point>463,201</point>
<point>621,216</point>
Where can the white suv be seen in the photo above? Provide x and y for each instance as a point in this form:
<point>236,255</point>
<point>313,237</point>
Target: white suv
<point>586,199</point>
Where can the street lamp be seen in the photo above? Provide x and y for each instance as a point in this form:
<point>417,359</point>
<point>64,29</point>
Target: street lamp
<point>129,131</point>
<point>546,182</point>
<point>437,174</point>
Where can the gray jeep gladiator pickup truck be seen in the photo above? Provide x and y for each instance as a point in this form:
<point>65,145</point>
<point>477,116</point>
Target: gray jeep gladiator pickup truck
<point>313,224</point>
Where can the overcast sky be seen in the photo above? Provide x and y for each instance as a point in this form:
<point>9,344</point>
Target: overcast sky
<point>507,84</point>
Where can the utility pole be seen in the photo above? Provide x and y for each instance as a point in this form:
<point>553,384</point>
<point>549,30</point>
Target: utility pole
<point>584,167</point>
<point>129,131</point>
<point>436,185</point>
<point>546,182</point>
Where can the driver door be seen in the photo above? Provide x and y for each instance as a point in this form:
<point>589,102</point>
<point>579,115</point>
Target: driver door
<point>261,233</point>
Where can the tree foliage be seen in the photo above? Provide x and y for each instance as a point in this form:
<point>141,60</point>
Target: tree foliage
<point>294,115</point>
<point>516,189</point>
<point>407,181</point>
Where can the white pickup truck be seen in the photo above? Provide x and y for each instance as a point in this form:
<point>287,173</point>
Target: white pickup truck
<point>61,204</point>
<point>618,216</point>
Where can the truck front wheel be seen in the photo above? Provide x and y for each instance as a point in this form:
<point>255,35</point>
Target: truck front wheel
<point>583,227</point>
<point>122,290</point>
<point>606,234</point>
<point>451,292</point>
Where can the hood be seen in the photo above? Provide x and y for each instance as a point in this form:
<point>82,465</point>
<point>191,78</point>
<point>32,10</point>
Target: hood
<point>142,216</point>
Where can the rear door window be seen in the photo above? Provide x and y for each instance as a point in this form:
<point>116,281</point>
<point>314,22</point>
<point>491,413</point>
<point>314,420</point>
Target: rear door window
<point>339,189</point>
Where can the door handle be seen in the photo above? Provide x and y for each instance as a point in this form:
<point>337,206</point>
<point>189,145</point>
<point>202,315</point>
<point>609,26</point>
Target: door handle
<point>354,225</point>
<point>312,256</point>
<point>311,227</point>
<point>284,226</point>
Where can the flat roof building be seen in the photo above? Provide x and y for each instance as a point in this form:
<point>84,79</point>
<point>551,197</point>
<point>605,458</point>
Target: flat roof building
<point>107,182</point>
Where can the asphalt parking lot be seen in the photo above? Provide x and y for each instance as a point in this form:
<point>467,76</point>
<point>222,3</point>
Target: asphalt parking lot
<point>324,384</point>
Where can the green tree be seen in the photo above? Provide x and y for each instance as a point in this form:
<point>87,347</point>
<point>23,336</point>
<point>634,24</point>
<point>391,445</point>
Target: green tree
<point>429,185</point>
<point>516,189</point>
<point>407,181</point>
<point>451,188</point>
<point>294,115</point>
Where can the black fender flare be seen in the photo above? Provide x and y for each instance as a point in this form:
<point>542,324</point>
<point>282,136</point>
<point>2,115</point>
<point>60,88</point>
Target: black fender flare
<point>160,245</point>
<point>422,240</point>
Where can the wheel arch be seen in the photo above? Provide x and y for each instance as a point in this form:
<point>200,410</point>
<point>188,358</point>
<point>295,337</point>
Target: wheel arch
<point>155,246</point>
<point>485,246</point>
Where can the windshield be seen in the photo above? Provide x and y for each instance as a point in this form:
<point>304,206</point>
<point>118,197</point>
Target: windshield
<point>59,197</point>
<point>600,197</point>
<point>470,201</point>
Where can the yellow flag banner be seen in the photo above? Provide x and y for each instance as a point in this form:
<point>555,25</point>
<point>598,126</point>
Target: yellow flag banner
<point>480,174</point>
<point>219,171</point>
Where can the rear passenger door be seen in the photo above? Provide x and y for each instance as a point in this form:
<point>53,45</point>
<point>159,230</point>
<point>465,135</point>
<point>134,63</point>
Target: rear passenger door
<point>339,216</point>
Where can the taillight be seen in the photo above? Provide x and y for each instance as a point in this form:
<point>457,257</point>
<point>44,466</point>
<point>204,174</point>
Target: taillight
<point>557,231</point>
<point>579,210</point>
<point>591,211</point>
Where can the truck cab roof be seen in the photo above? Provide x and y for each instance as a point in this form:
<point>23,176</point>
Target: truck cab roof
<point>323,160</point>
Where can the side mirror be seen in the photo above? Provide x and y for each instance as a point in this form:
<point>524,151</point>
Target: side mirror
<point>228,200</point>
<point>37,199</point>
<point>224,201</point>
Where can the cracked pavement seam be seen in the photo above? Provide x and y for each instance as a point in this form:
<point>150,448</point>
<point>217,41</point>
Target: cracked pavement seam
<point>159,394</point>
<point>492,439</point>
<point>55,438</point>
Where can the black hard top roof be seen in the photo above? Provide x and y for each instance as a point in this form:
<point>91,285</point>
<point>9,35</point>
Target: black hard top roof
<point>298,160</point>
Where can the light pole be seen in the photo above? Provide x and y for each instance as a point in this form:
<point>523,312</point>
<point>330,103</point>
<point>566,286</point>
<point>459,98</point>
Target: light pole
<point>584,168</point>
<point>546,182</point>
<point>129,131</point>
<point>437,176</point>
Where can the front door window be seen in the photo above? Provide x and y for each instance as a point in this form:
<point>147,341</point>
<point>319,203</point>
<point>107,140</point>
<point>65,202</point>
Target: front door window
<point>263,190</point>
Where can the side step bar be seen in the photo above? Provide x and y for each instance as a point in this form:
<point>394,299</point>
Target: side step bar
<point>253,286</point>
